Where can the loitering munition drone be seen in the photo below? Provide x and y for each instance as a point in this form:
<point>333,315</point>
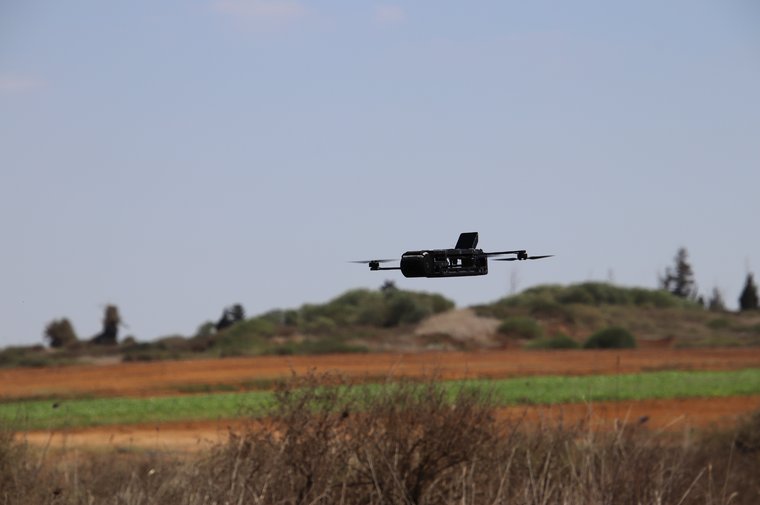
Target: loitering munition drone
<point>463,260</point>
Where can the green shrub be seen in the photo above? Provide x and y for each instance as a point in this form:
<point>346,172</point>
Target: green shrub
<point>550,309</point>
<point>60,333</point>
<point>658,298</point>
<point>312,347</point>
<point>344,309</point>
<point>128,341</point>
<point>33,356</point>
<point>521,327</point>
<point>404,308</point>
<point>560,341</point>
<point>244,338</point>
<point>164,349</point>
<point>321,325</point>
<point>254,327</point>
<point>386,308</point>
<point>206,329</point>
<point>613,337</point>
<point>372,313</point>
<point>720,323</point>
<point>587,315</point>
<point>290,318</point>
<point>438,303</point>
<point>592,293</point>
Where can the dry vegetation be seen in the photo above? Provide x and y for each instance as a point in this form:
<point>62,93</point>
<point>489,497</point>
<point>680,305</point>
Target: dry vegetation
<point>408,444</point>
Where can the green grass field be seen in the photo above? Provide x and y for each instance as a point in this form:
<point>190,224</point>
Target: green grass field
<point>47,414</point>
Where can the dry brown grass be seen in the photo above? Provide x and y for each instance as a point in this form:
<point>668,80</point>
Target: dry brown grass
<point>403,444</point>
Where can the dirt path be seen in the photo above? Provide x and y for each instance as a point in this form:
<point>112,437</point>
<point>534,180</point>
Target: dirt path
<point>673,415</point>
<point>145,379</point>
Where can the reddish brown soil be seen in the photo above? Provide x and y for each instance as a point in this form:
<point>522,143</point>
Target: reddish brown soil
<point>670,415</point>
<point>145,379</point>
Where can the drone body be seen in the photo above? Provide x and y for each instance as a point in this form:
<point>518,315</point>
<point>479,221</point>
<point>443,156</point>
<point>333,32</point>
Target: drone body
<point>462,261</point>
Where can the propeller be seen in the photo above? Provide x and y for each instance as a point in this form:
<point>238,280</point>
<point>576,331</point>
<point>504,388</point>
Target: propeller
<point>499,253</point>
<point>528,258</point>
<point>366,262</point>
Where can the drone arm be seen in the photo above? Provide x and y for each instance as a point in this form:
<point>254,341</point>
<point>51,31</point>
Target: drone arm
<point>498,253</point>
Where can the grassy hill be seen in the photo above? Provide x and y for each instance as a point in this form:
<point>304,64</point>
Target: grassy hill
<point>390,319</point>
<point>653,317</point>
<point>349,323</point>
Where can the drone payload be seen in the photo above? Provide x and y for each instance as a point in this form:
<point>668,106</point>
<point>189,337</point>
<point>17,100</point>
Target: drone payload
<point>463,260</point>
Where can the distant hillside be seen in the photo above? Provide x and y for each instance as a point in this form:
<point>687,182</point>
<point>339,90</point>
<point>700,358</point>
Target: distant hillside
<point>390,319</point>
<point>359,320</point>
<point>654,317</point>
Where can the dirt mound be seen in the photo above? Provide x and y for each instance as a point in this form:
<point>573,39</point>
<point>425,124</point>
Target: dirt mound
<point>462,325</point>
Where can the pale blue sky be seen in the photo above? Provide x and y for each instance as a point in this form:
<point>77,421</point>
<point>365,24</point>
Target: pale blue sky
<point>175,157</point>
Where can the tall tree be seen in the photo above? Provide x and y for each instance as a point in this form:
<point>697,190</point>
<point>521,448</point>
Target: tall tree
<point>237,312</point>
<point>679,279</point>
<point>388,287</point>
<point>111,321</point>
<point>230,316</point>
<point>748,299</point>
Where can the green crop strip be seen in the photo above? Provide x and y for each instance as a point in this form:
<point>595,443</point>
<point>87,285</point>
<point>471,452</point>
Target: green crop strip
<point>35,415</point>
<point>641,386</point>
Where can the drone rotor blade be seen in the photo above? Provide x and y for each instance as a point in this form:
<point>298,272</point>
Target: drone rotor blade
<point>499,253</point>
<point>528,258</point>
<point>366,262</point>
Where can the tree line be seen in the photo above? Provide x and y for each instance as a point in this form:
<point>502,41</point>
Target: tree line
<point>60,332</point>
<point>679,280</point>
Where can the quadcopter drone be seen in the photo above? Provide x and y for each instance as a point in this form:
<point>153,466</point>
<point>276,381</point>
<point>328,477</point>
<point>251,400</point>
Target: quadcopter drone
<point>464,260</point>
